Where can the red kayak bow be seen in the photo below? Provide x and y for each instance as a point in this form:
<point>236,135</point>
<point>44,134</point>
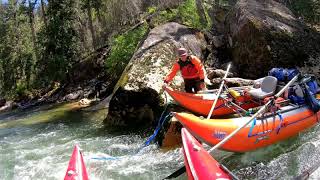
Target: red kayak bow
<point>76,169</point>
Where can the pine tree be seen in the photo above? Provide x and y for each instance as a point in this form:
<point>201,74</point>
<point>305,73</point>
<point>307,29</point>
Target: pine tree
<point>60,41</point>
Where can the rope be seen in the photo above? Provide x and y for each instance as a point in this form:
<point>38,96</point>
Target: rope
<point>252,126</point>
<point>160,125</point>
<point>106,158</point>
<point>163,118</point>
<point>147,143</point>
<point>161,122</point>
<point>234,108</point>
<point>281,121</point>
<point>220,106</point>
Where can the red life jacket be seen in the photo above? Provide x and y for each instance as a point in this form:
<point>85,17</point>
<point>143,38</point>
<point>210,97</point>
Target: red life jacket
<point>188,69</point>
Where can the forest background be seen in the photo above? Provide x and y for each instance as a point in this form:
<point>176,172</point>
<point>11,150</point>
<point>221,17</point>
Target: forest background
<point>42,40</point>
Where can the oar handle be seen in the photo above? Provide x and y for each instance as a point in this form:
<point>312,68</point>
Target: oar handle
<point>219,92</point>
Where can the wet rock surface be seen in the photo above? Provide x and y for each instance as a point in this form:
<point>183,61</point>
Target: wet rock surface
<point>133,108</point>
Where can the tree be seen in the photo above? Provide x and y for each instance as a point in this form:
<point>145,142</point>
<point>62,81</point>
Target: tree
<point>87,5</point>
<point>201,12</point>
<point>31,21</point>
<point>16,52</point>
<point>43,13</point>
<point>60,41</point>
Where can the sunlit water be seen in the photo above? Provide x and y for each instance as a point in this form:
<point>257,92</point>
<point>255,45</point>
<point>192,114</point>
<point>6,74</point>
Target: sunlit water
<point>37,144</point>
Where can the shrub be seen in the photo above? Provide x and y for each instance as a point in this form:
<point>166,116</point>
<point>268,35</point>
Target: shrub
<point>123,47</point>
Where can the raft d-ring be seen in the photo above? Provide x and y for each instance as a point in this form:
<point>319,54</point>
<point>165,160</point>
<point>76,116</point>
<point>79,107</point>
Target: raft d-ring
<point>71,173</point>
<point>196,148</point>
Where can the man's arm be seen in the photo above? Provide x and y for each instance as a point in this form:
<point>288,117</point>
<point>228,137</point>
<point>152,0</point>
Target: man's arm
<point>175,68</point>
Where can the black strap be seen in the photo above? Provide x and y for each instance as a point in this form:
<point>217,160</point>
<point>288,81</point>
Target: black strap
<point>185,63</point>
<point>176,173</point>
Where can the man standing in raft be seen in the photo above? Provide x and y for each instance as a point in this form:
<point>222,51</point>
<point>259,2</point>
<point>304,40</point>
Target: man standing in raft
<point>191,69</point>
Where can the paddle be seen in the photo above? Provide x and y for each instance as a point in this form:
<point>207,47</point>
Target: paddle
<point>219,92</point>
<point>261,110</point>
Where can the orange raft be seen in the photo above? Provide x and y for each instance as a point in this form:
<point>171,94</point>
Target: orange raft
<point>260,133</point>
<point>202,103</point>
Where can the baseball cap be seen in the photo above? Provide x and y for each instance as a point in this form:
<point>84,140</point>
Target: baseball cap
<point>182,52</point>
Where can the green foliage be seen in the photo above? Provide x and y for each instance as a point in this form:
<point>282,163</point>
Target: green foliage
<point>60,41</point>
<point>186,12</point>
<point>165,16</point>
<point>16,48</point>
<point>20,89</point>
<point>308,9</point>
<point>36,49</point>
<point>152,9</point>
<point>123,47</point>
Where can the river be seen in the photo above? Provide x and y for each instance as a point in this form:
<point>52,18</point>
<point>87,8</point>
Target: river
<point>37,144</point>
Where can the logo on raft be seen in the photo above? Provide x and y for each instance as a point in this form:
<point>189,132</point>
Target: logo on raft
<point>219,134</point>
<point>266,137</point>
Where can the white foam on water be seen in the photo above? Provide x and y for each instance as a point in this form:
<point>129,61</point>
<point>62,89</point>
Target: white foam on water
<point>291,162</point>
<point>140,164</point>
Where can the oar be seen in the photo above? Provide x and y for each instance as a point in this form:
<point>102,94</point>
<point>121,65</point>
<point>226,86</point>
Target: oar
<point>219,92</point>
<point>261,110</point>
<point>216,90</point>
<point>234,104</point>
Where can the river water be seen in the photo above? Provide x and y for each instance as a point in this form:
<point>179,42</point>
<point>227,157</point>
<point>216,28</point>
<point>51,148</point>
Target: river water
<point>37,144</point>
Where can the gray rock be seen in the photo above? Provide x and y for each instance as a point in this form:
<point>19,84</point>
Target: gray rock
<point>73,96</point>
<point>266,34</point>
<point>143,77</point>
<point>218,41</point>
<point>9,105</point>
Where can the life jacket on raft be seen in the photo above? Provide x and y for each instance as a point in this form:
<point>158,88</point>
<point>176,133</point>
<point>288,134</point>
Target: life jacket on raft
<point>188,69</point>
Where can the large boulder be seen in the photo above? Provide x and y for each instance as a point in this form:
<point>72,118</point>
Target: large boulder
<point>137,101</point>
<point>265,34</point>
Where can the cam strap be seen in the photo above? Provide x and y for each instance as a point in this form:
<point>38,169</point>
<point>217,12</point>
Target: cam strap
<point>281,122</point>
<point>252,126</point>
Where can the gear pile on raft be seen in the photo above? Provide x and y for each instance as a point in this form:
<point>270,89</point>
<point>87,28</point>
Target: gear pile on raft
<point>242,119</point>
